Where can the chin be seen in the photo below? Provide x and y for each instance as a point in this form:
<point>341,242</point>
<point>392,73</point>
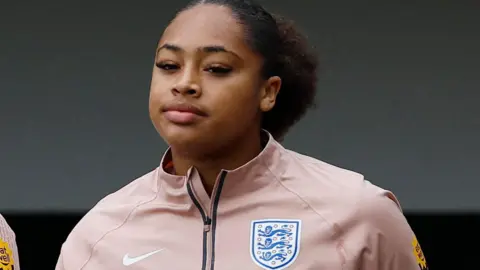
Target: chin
<point>181,135</point>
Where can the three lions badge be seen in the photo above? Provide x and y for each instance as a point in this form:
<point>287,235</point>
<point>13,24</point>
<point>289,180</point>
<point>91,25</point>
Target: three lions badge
<point>275,243</point>
<point>6,256</point>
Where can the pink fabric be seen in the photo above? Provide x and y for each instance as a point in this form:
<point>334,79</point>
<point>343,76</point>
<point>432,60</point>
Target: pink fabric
<point>8,247</point>
<point>281,210</point>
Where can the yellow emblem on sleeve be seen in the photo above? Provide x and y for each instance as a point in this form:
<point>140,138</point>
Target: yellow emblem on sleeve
<point>417,251</point>
<point>6,256</point>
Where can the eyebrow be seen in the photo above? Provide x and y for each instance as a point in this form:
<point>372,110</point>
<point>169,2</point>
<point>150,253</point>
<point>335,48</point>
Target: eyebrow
<point>206,49</point>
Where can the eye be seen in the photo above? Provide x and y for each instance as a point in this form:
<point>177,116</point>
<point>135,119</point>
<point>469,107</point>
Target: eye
<point>218,70</point>
<point>167,66</point>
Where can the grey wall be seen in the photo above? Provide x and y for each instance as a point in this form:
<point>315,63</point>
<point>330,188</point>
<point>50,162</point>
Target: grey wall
<point>398,98</point>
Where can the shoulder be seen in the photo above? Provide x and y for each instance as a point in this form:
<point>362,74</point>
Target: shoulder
<point>367,219</point>
<point>8,246</point>
<point>321,184</point>
<point>346,192</point>
<point>378,235</point>
<point>378,211</point>
<point>135,192</point>
<point>121,202</point>
<point>326,171</point>
<point>318,181</point>
<point>109,214</point>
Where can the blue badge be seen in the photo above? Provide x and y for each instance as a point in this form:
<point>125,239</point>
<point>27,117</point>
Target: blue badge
<point>275,243</point>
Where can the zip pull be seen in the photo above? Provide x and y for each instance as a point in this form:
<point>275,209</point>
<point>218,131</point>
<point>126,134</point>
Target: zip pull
<point>207,224</point>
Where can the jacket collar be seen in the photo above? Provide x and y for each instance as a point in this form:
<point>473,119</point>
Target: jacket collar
<point>259,172</point>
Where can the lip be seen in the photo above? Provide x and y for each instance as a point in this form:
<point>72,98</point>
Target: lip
<point>183,113</point>
<point>184,107</point>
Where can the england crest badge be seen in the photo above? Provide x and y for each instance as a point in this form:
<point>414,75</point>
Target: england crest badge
<point>275,244</point>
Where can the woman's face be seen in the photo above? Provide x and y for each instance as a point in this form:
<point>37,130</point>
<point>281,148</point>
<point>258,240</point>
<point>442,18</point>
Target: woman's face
<point>206,88</point>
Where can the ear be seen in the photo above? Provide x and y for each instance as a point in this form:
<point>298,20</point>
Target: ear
<point>269,92</point>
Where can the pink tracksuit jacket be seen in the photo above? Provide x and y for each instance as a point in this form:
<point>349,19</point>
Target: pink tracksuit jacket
<point>8,247</point>
<point>281,210</point>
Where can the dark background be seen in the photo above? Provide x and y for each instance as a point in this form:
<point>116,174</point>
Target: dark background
<point>397,102</point>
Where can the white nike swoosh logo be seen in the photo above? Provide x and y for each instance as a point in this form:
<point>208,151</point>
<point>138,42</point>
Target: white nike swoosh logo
<point>127,260</point>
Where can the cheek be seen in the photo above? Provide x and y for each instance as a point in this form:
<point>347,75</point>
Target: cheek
<point>158,88</point>
<point>238,101</point>
<point>153,101</point>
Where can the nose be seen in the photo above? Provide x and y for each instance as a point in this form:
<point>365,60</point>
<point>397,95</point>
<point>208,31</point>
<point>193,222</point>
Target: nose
<point>187,86</point>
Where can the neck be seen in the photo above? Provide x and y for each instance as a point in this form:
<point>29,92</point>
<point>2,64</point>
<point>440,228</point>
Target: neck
<point>210,165</point>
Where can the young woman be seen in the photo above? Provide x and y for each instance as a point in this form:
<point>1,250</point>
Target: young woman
<point>8,247</point>
<point>229,80</point>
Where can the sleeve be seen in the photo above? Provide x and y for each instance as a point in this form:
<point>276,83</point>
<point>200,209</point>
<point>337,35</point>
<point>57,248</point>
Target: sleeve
<point>390,242</point>
<point>60,265</point>
<point>8,247</point>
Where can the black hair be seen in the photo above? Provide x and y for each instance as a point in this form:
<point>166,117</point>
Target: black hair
<point>285,53</point>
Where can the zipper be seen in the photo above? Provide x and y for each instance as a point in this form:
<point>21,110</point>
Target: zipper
<point>214,208</point>
<point>209,221</point>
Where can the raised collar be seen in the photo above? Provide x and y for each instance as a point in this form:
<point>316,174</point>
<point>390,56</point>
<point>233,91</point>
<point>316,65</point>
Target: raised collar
<point>268,165</point>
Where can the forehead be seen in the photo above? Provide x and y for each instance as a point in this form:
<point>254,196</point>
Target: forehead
<point>205,25</point>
